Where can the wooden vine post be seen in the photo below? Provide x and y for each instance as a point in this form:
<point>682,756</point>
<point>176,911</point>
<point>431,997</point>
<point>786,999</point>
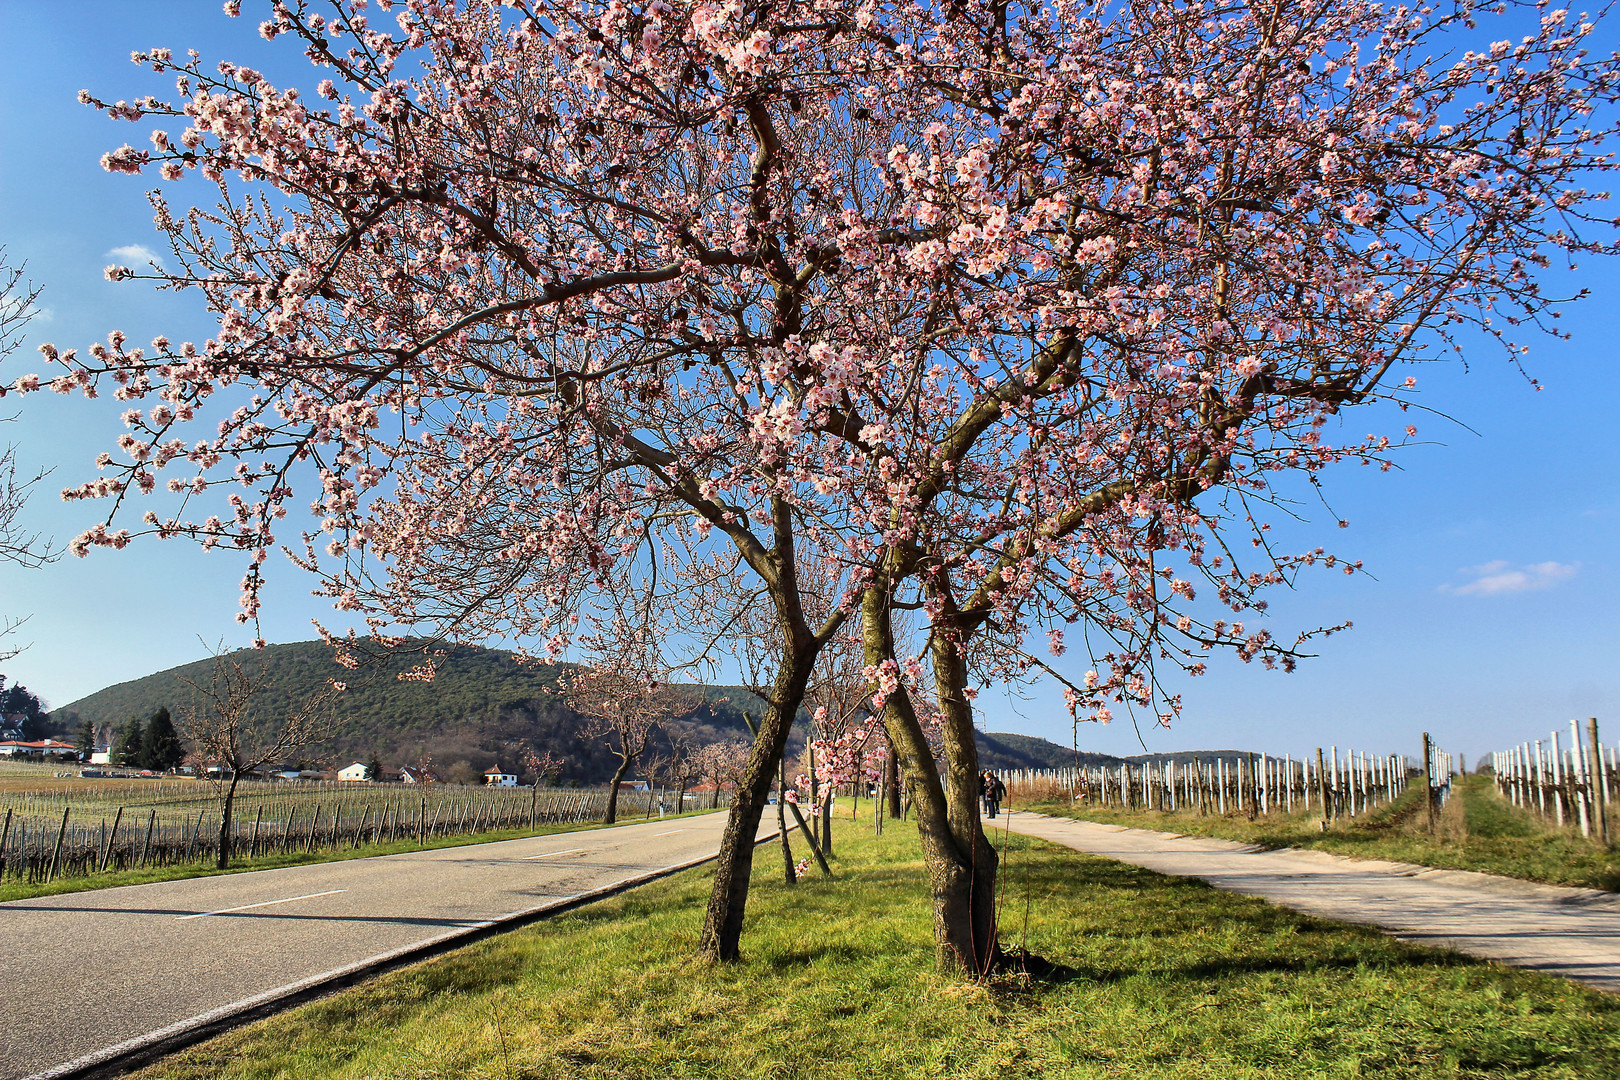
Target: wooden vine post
<point>56,852</point>
<point>112,839</point>
<point>1597,781</point>
<point>1322,790</point>
<point>1428,782</point>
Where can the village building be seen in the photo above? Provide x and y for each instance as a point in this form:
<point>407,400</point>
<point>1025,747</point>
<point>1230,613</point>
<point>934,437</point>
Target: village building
<point>355,772</point>
<point>44,747</point>
<point>494,777</point>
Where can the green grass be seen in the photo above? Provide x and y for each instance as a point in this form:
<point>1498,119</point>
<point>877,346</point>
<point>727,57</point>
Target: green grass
<point>1161,978</point>
<point>19,890</point>
<point>1478,830</point>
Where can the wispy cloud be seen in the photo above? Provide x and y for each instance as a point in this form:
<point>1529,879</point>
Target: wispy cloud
<point>135,255</point>
<point>1500,577</point>
<point>13,309</point>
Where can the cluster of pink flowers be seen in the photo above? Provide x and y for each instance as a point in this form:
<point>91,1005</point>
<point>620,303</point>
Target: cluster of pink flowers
<point>981,314</point>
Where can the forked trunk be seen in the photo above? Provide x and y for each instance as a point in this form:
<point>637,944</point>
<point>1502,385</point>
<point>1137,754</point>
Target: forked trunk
<point>722,926</point>
<point>960,861</point>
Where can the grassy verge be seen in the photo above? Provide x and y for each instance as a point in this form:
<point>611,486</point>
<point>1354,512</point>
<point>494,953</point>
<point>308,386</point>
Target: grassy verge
<point>1479,830</point>
<point>19,890</point>
<point>1162,978</point>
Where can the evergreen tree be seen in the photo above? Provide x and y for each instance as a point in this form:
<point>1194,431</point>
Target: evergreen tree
<point>160,746</point>
<point>374,767</point>
<point>127,744</point>
<point>16,700</point>
<point>86,741</point>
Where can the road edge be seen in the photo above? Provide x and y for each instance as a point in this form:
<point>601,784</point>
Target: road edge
<point>143,1050</point>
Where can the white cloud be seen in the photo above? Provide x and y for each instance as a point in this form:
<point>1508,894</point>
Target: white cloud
<point>1500,577</point>
<point>135,255</point>
<point>13,309</point>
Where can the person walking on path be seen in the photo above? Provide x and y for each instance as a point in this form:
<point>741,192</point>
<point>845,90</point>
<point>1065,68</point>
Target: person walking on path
<point>994,791</point>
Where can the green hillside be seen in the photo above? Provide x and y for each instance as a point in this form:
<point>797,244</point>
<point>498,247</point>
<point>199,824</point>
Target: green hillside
<point>1006,750</point>
<point>481,709</point>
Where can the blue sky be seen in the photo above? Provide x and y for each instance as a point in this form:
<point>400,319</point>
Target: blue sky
<point>1487,616</point>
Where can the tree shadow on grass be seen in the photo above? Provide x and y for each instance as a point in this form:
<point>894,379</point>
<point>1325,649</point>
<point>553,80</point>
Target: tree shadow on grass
<point>790,959</point>
<point>1225,967</point>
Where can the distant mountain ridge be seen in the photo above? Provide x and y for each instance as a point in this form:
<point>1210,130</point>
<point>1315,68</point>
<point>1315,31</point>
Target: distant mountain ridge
<point>481,708</point>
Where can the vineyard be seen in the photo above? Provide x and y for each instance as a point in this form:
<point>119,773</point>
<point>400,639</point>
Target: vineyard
<point>79,827</point>
<point>1570,786</point>
<point>1335,785</point>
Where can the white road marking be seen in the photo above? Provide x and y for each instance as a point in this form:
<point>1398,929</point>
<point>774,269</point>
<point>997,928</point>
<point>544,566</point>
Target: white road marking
<point>262,903</point>
<point>549,854</point>
<point>671,832</point>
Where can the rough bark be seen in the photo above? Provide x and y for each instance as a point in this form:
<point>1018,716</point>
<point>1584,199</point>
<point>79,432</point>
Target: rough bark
<point>224,860</point>
<point>792,878</point>
<point>891,779</point>
<point>961,863</point>
<point>612,814</point>
<point>722,925</point>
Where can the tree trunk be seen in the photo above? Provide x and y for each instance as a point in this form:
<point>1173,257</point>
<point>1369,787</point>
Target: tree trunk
<point>612,814</point>
<point>961,863</point>
<point>892,779</point>
<point>792,877</point>
<point>722,925</point>
<point>224,860</point>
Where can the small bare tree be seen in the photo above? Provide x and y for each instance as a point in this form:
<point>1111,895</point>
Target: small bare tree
<point>542,768</point>
<point>679,767</point>
<point>721,764</point>
<point>17,544</point>
<point>624,706</point>
<point>229,739</point>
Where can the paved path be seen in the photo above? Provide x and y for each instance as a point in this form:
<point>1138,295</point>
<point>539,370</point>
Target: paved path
<point>1561,931</point>
<point>87,971</point>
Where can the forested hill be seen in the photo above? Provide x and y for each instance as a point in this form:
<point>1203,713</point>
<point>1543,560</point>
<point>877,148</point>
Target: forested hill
<point>480,709</point>
<point>1005,750</point>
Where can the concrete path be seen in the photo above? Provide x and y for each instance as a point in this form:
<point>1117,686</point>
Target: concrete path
<point>1570,932</point>
<point>89,976</point>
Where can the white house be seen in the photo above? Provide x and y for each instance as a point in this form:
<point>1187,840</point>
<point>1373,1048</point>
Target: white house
<point>494,777</point>
<point>357,771</point>
<point>44,747</point>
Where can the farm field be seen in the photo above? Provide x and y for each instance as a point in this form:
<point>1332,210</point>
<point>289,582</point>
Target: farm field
<point>1151,977</point>
<point>1478,830</point>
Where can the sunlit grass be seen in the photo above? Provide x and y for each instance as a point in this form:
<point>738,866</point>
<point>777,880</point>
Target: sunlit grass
<point>1478,830</point>
<point>1159,977</point>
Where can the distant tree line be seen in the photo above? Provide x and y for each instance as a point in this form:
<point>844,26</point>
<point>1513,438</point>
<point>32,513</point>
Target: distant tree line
<point>16,700</point>
<point>151,744</point>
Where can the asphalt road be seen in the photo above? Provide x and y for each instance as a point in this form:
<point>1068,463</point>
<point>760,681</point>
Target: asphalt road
<point>1570,932</point>
<point>86,971</point>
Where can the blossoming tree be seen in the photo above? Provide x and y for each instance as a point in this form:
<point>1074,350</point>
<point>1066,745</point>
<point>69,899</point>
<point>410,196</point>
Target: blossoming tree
<point>1014,316</point>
